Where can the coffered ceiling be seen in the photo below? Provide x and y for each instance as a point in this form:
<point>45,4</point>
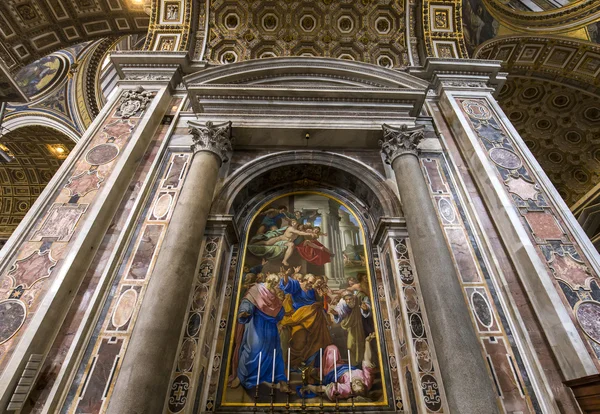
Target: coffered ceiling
<point>30,29</point>
<point>561,127</point>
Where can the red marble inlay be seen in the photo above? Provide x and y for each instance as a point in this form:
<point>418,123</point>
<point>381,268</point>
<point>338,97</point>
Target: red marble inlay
<point>575,273</point>
<point>33,268</point>
<point>544,225</point>
<point>84,183</point>
<point>436,181</point>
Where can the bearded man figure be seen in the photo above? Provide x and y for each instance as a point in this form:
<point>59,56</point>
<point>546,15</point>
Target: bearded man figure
<point>257,335</point>
<point>306,321</point>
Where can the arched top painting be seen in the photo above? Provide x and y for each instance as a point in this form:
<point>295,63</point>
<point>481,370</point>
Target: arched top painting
<point>305,324</point>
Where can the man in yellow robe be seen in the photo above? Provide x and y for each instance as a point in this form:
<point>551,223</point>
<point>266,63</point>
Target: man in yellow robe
<point>304,317</point>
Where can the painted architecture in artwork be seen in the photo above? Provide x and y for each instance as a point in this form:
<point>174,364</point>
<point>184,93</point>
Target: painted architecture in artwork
<point>327,206</point>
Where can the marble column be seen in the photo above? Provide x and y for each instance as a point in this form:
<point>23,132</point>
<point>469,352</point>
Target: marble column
<point>465,377</point>
<point>143,380</point>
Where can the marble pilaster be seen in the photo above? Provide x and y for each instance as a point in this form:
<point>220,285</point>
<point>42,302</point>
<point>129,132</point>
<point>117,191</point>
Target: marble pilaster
<point>465,377</point>
<point>145,374</point>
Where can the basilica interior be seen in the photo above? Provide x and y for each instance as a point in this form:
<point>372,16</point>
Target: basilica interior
<point>328,206</point>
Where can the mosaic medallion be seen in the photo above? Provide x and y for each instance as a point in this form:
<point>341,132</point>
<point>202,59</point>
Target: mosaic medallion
<point>187,355</point>
<point>194,323</point>
<point>476,110</point>
<point>12,316</point>
<point>125,307</point>
<point>588,316</point>
<point>431,393</point>
<point>162,206</point>
<point>446,210</point>
<point>505,158</point>
<point>482,309</point>
<point>102,154</point>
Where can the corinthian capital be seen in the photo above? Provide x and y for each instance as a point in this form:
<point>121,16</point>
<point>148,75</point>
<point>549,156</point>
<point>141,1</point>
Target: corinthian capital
<point>400,141</point>
<point>213,138</point>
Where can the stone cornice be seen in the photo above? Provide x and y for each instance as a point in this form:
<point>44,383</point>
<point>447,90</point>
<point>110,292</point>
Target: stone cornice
<point>398,141</point>
<point>212,138</point>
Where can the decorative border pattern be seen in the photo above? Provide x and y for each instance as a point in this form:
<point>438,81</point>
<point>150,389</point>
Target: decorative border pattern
<point>195,346</point>
<point>574,278</point>
<point>170,24</point>
<point>442,29</point>
<point>508,372</point>
<point>59,223</point>
<point>92,386</point>
<point>418,362</point>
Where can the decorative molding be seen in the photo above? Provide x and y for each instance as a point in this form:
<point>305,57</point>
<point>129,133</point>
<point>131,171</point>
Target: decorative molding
<point>400,141</point>
<point>213,138</point>
<point>570,17</point>
<point>134,101</point>
<point>565,61</point>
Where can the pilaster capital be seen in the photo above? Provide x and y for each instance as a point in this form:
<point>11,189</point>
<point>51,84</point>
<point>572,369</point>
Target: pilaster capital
<point>212,138</point>
<point>400,141</point>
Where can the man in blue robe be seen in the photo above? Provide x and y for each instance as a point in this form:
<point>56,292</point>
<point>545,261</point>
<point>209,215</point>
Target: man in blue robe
<point>306,320</point>
<point>257,336</point>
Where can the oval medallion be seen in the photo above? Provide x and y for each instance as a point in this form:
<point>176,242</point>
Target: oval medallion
<point>178,395</point>
<point>102,154</point>
<point>124,308</point>
<point>505,158</point>
<point>162,206</point>
<point>187,355</point>
<point>193,325</point>
<point>482,309</point>
<point>12,316</point>
<point>423,355</point>
<point>412,302</point>
<point>446,210</point>
<point>416,325</point>
<point>476,110</point>
<point>199,300</point>
<point>588,316</point>
<point>431,392</point>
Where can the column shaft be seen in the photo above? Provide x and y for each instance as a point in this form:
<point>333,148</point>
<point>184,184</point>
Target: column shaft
<point>465,377</point>
<point>143,380</point>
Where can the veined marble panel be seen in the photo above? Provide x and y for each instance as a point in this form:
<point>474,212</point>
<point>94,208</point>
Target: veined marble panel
<point>91,388</point>
<point>545,227</point>
<point>488,317</point>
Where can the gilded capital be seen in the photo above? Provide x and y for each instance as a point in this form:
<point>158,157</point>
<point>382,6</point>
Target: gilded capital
<point>213,138</point>
<point>400,141</point>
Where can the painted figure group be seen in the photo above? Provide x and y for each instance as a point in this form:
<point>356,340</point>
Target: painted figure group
<point>296,312</point>
<point>281,234</point>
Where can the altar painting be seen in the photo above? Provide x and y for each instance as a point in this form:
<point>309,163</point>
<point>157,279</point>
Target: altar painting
<point>304,320</point>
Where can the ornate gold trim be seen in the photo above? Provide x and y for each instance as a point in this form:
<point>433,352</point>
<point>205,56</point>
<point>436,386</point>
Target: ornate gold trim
<point>573,16</point>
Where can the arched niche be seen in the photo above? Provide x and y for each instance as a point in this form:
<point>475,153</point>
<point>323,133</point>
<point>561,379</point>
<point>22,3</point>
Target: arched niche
<point>347,177</point>
<point>37,151</point>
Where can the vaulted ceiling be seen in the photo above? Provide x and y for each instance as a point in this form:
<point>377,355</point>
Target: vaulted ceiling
<point>38,152</point>
<point>31,29</point>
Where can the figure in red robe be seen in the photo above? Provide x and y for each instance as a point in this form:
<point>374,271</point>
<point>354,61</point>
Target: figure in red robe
<point>312,250</point>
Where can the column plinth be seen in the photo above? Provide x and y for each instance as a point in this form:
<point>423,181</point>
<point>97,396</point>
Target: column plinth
<point>465,377</point>
<point>143,380</point>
